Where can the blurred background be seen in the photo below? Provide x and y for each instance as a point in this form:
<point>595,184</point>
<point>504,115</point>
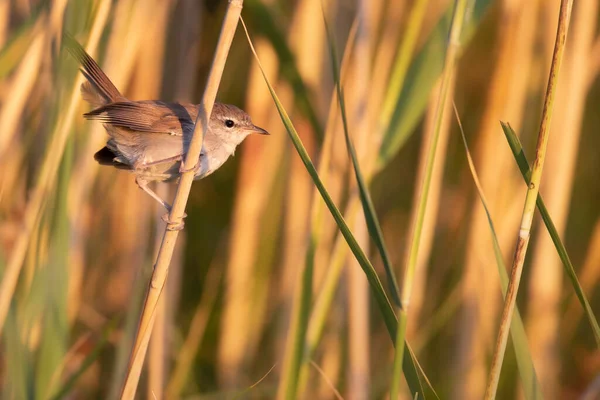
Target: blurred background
<point>78,241</point>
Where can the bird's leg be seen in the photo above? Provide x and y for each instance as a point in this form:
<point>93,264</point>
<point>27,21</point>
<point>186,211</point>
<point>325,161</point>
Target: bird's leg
<point>143,184</point>
<point>171,225</point>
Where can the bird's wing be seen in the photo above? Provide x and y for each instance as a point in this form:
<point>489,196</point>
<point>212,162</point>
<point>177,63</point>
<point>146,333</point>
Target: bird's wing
<point>146,117</point>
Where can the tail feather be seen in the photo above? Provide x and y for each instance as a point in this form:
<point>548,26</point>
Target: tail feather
<point>98,90</point>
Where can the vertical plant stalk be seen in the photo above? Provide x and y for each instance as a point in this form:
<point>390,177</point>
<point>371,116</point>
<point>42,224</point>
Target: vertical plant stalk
<point>47,176</point>
<point>409,272</point>
<point>161,268</point>
<point>402,62</point>
<point>357,295</point>
<point>530,200</point>
<point>546,277</point>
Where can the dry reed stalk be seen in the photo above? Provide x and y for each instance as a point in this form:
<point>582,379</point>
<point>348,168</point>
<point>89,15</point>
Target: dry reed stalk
<point>481,289</point>
<point>47,176</point>
<point>359,335</point>
<point>21,85</point>
<point>161,268</point>
<point>157,359</point>
<point>429,223</point>
<point>147,85</point>
<point>361,123</point>
<point>546,281</point>
<point>248,210</point>
<point>530,200</point>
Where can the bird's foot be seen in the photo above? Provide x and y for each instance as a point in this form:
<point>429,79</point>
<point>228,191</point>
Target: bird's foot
<point>174,225</point>
<point>182,168</point>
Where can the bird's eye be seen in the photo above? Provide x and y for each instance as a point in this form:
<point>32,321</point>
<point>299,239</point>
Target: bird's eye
<point>229,123</point>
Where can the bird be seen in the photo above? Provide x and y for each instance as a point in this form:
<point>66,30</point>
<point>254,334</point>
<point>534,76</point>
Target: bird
<point>150,138</point>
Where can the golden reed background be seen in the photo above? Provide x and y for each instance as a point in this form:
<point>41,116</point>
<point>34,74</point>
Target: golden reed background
<point>78,241</point>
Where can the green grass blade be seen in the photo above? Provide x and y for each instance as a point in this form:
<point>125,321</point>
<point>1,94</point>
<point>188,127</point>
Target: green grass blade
<point>459,18</point>
<point>517,150</point>
<point>381,299</point>
<point>531,385</point>
<point>365,197</point>
<point>422,75</point>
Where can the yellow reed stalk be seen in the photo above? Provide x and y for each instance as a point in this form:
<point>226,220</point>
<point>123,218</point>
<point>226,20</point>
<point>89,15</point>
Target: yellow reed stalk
<point>530,200</point>
<point>360,119</point>
<point>545,288</point>
<point>429,222</point>
<point>505,99</point>
<point>47,176</point>
<point>161,268</point>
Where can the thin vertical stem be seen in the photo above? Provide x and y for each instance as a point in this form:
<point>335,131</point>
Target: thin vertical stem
<point>530,199</point>
<point>161,268</point>
<point>409,272</point>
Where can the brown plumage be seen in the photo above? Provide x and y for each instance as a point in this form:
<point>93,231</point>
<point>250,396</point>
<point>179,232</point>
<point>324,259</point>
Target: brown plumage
<point>151,137</point>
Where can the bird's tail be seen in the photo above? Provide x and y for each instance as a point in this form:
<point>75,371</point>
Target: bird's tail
<point>98,90</point>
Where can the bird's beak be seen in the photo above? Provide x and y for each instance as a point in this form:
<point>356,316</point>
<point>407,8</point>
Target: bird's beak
<point>260,131</point>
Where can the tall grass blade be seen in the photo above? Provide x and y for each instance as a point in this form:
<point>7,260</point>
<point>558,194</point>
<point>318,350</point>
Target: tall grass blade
<point>531,385</point>
<point>412,369</point>
<point>365,197</point>
<point>517,150</point>
<point>458,20</point>
<point>564,17</point>
<point>422,75</point>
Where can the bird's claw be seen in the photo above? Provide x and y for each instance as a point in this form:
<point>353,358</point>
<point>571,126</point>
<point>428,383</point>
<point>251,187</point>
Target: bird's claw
<point>182,168</point>
<point>174,225</point>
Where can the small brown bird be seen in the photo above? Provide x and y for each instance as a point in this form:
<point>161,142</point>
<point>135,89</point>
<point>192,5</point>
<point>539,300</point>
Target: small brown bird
<point>151,138</point>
